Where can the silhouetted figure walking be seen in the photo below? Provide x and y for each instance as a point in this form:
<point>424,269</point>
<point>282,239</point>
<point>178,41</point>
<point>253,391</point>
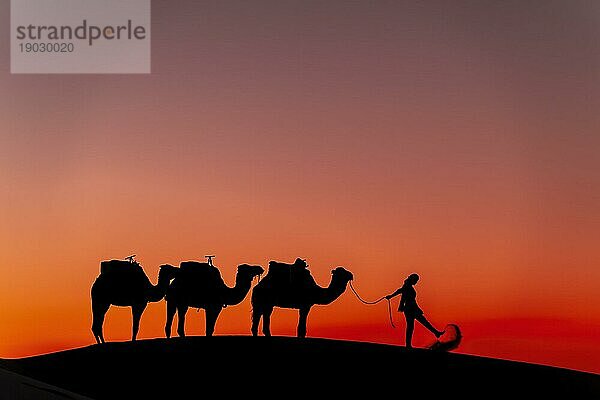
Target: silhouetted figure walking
<point>408,305</point>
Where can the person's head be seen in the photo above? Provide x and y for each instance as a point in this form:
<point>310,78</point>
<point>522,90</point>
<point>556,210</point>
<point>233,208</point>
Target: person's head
<point>412,279</point>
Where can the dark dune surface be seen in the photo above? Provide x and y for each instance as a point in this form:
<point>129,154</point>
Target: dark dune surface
<point>18,387</point>
<point>280,367</point>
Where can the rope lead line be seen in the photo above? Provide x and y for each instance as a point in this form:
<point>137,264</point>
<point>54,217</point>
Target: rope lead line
<point>390,314</point>
<point>364,301</point>
<point>375,302</point>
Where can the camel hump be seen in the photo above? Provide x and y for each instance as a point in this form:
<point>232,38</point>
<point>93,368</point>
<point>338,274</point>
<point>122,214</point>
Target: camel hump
<point>121,267</point>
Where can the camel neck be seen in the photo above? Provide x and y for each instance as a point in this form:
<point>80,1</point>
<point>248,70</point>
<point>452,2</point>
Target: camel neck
<point>329,294</point>
<point>236,294</point>
<point>158,291</point>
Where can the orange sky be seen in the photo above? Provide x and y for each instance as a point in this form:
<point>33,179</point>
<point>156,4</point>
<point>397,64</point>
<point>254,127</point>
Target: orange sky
<point>389,139</point>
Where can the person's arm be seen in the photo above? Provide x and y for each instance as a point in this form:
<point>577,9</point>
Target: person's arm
<point>396,293</point>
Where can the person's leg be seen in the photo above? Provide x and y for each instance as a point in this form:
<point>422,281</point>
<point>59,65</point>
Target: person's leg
<point>421,318</point>
<point>410,327</point>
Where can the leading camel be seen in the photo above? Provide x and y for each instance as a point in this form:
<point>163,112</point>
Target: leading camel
<point>124,283</point>
<point>292,286</point>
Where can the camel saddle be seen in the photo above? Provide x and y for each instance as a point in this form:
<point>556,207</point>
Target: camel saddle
<point>299,263</point>
<point>120,267</point>
<point>294,274</point>
<point>199,270</point>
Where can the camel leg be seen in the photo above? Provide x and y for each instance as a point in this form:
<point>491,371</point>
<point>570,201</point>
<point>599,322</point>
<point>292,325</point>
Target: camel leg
<point>171,309</point>
<point>181,311</point>
<point>303,315</point>
<point>212,313</point>
<point>256,314</point>
<point>98,313</point>
<point>136,311</point>
<point>267,321</point>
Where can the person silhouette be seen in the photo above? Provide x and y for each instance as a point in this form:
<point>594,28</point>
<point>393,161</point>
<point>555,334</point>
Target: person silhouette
<point>408,305</point>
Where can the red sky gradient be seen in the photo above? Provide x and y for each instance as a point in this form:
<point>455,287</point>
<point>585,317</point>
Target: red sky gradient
<point>459,141</point>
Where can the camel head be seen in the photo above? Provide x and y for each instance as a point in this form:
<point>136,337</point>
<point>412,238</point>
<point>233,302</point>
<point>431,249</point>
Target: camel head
<point>250,271</point>
<point>342,274</point>
<point>300,263</point>
<point>167,272</point>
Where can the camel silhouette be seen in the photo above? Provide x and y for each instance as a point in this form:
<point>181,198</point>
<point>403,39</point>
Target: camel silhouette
<point>292,286</point>
<point>124,283</point>
<point>200,285</point>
